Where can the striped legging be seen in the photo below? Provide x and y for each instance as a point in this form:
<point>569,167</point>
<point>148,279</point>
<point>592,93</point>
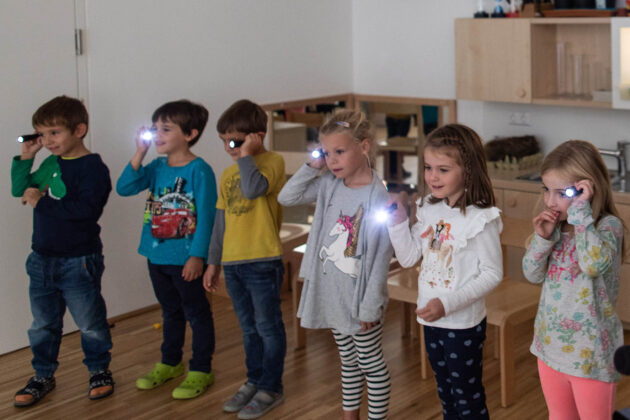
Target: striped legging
<point>362,357</point>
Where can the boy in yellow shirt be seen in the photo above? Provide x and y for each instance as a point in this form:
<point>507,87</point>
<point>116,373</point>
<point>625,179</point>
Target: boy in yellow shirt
<point>245,240</point>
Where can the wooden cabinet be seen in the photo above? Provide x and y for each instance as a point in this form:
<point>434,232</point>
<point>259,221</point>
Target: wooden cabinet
<point>562,61</point>
<point>520,204</point>
<point>516,204</point>
<point>492,60</point>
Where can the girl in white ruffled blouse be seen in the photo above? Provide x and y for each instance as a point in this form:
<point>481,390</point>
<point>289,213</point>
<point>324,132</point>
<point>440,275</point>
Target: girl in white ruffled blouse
<point>457,237</point>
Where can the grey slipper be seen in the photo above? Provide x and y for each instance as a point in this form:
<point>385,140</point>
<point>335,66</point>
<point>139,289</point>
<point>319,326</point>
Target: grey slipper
<point>240,399</point>
<point>260,404</point>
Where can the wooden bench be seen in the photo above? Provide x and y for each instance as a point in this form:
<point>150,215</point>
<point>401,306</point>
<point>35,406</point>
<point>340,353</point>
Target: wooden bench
<point>511,303</point>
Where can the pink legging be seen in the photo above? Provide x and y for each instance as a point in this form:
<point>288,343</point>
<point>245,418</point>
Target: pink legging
<point>570,397</point>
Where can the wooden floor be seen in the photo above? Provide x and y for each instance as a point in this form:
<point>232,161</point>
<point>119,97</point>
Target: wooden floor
<point>312,385</point>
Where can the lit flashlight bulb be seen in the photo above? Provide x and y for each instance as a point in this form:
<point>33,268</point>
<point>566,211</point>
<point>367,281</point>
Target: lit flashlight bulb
<point>316,154</point>
<point>147,135</point>
<point>572,192</point>
<point>382,215</point>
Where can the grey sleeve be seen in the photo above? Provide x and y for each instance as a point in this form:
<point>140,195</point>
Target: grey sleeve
<point>301,188</point>
<point>216,241</point>
<point>253,183</point>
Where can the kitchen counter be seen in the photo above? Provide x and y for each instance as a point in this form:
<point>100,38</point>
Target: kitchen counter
<point>508,180</point>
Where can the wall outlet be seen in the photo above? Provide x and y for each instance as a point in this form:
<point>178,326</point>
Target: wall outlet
<point>521,119</point>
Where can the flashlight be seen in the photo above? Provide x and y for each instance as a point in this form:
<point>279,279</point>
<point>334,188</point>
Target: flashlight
<point>316,154</point>
<point>572,192</point>
<point>147,135</point>
<point>28,137</point>
<point>235,143</point>
<point>382,215</point>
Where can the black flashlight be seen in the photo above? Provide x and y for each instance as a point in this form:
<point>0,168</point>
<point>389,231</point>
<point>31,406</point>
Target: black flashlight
<point>235,143</point>
<point>28,137</point>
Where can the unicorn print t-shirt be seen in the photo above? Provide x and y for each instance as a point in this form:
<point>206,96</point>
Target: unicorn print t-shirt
<point>461,259</point>
<point>348,251</point>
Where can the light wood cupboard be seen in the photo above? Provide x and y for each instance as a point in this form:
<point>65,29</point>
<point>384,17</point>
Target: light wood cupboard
<point>492,60</point>
<point>562,61</point>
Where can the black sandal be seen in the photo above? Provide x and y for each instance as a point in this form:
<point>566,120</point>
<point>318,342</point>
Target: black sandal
<point>98,379</point>
<point>37,387</point>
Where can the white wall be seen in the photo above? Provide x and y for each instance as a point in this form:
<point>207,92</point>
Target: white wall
<point>141,54</point>
<point>213,52</point>
<point>38,63</point>
<point>406,48</point>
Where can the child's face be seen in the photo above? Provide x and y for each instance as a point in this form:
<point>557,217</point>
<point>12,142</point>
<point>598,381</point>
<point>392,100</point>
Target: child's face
<point>554,185</point>
<point>443,175</point>
<point>344,156</point>
<point>234,153</point>
<point>60,140</point>
<point>169,137</point>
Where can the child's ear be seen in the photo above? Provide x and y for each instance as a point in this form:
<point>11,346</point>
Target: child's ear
<point>193,133</point>
<point>365,145</point>
<point>80,131</point>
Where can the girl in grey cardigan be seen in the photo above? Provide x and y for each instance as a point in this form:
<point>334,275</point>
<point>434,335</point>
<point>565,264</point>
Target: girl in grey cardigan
<point>347,256</point>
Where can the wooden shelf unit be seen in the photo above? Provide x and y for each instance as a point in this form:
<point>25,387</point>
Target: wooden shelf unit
<point>515,60</point>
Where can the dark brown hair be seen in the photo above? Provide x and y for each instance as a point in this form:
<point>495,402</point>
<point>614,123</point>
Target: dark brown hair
<point>187,115</point>
<point>243,116</point>
<point>62,110</point>
<point>577,160</point>
<point>464,145</point>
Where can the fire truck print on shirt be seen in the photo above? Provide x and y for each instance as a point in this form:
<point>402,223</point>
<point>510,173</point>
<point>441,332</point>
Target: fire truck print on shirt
<point>437,267</point>
<point>171,212</point>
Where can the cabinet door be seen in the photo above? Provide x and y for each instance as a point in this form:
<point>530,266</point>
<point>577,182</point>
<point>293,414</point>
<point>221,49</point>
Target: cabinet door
<point>493,60</point>
<point>623,299</point>
<point>521,204</point>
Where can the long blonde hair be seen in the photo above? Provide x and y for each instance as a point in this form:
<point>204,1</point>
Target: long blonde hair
<point>577,160</point>
<point>355,124</point>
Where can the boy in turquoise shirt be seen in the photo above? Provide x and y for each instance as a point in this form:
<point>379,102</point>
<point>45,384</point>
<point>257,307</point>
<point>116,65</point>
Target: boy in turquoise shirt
<point>178,219</point>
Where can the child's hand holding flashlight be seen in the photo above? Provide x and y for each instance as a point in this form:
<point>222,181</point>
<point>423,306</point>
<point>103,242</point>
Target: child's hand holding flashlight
<point>316,159</point>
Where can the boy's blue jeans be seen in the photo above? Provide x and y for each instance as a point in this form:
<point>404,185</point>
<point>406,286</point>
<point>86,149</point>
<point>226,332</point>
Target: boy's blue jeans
<point>76,283</point>
<point>255,292</point>
<point>183,301</point>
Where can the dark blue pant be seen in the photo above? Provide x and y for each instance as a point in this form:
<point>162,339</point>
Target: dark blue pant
<point>255,292</point>
<point>183,301</point>
<point>456,357</point>
<point>75,283</point>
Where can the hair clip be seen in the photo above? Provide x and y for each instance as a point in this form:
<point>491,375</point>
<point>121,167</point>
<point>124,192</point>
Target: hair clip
<point>343,123</point>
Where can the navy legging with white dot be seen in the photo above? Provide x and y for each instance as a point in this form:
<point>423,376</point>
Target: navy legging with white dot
<point>456,357</point>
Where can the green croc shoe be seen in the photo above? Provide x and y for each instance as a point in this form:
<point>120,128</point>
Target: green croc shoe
<point>160,374</point>
<point>194,385</point>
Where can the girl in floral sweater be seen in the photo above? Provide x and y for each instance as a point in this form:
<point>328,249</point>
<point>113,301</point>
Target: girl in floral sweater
<point>576,253</point>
